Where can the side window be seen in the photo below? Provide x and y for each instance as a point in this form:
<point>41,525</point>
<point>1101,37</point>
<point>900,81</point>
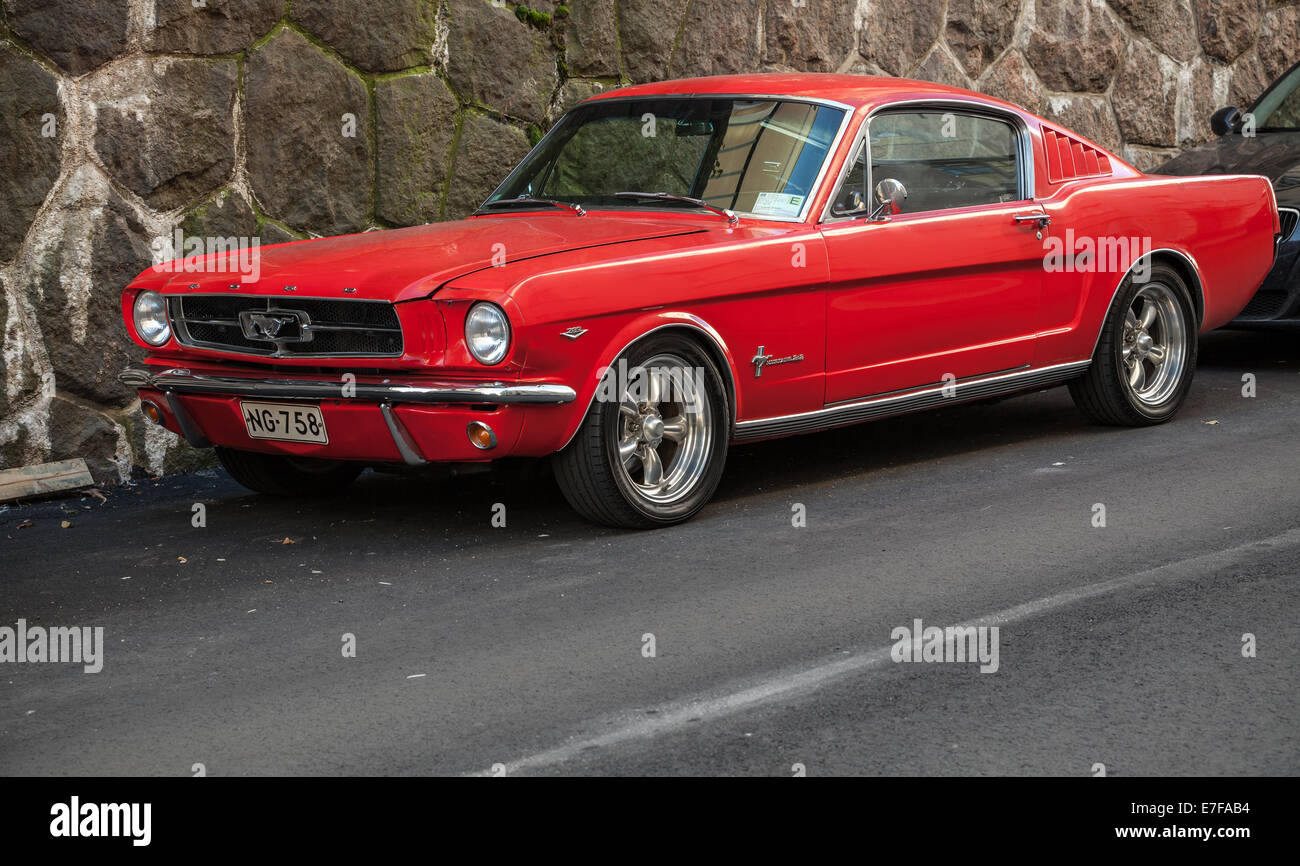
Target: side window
<point>1287,114</point>
<point>945,159</point>
<point>851,197</point>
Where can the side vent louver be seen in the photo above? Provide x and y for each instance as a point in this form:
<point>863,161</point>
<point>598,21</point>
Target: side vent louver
<point>1068,158</point>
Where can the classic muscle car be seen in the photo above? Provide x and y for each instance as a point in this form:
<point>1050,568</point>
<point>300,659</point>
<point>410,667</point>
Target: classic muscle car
<point>679,266</point>
<point>1264,140</point>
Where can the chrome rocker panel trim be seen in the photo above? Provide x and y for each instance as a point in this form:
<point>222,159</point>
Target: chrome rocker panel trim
<point>898,404</point>
<point>178,380</point>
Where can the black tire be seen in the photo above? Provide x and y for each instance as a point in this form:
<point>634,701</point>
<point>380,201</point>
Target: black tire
<point>1106,393</point>
<point>279,475</point>
<point>597,481</point>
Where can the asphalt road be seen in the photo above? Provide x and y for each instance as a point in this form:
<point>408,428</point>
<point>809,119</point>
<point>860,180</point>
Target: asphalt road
<point>525,647</point>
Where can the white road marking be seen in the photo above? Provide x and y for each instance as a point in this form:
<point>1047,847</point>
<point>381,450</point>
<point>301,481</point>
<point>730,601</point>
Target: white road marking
<point>673,716</point>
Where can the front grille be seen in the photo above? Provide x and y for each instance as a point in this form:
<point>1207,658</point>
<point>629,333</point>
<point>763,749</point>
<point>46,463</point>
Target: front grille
<point>1265,305</point>
<point>327,327</point>
<point>1289,220</point>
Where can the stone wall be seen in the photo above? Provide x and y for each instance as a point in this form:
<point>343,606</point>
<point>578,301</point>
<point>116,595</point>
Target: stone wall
<point>125,119</point>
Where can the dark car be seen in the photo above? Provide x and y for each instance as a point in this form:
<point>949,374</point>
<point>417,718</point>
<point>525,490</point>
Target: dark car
<point>1264,140</point>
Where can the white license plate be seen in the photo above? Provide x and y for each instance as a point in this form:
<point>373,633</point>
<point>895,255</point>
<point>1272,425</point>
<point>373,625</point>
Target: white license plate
<point>287,422</point>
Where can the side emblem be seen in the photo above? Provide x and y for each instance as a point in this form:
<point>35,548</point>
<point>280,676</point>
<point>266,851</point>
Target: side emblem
<point>761,359</point>
<point>573,333</point>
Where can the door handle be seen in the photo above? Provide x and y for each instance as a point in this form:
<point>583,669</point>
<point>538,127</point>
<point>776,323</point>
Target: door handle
<point>1042,219</point>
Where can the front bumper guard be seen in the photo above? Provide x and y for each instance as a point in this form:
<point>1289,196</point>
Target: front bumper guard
<point>386,392</point>
<point>179,380</point>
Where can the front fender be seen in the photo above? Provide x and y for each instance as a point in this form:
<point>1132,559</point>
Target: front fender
<point>586,358</point>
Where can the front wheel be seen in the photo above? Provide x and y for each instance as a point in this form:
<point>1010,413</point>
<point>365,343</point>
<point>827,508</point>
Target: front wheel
<point>281,475</point>
<point>651,449</point>
<point>1145,358</point>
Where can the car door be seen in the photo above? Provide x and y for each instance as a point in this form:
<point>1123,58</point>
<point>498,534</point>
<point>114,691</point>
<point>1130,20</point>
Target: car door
<point>948,287</point>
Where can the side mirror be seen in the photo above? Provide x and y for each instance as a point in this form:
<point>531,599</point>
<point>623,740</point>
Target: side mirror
<point>890,195</point>
<point>1225,120</point>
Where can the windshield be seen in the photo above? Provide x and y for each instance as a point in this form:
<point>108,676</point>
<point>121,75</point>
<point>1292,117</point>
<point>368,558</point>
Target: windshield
<point>1278,110</point>
<point>755,156</point>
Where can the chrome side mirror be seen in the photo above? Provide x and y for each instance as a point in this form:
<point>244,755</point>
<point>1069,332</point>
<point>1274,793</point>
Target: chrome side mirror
<point>1225,120</point>
<point>890,195</point>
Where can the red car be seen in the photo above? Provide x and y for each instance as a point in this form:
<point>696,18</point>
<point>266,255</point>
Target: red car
<point>683,265</point>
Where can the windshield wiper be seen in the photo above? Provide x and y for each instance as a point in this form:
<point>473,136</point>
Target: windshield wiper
<point>526,199</point>
<point>668,196</point>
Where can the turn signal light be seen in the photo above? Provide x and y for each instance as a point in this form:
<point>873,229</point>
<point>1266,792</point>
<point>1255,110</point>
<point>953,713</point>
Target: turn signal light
<point>151,411</point>
<point>481,436</point>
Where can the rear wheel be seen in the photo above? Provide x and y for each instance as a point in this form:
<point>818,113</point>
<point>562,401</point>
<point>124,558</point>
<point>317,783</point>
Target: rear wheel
<point>1146,356</point>
<point>281,475</point>
<point>651,450</point>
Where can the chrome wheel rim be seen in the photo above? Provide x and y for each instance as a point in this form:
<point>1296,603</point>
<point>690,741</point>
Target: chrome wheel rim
<point>1153,349</point>
<point>665,429</point>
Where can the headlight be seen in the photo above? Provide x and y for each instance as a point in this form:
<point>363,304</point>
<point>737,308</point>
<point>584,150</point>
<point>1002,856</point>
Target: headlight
<point>487,333</point>
<point>151,318</point>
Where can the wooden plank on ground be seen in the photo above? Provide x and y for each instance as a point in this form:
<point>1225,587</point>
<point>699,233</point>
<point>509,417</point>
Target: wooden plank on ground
<point>44,478</point>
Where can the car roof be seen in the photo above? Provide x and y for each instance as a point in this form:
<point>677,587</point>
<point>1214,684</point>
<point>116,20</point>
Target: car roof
<point>853,90</point>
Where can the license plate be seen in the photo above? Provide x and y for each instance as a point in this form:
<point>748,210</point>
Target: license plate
<point>287,422</point>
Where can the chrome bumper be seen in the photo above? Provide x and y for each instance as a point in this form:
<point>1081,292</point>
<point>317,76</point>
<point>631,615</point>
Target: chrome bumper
<point>178,380</point>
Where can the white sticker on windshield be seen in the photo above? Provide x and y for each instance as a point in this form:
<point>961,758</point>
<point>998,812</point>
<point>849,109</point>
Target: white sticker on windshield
<point>778,204</point>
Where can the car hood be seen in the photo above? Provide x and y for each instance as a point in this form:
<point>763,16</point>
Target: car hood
<point>401,264</point>
<point>1276,155</point>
